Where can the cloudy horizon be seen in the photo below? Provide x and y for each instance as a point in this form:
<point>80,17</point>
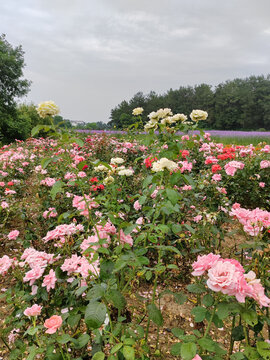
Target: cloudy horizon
<point>88,56</point>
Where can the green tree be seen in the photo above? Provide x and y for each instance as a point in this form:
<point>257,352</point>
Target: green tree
<point>12,86</point>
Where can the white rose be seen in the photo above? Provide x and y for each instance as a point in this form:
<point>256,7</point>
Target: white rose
<point>137,111</point>
<point>126,172</point>
<point>100,168</point>
<point>156,166</point>
<point>115,161</point>
<point>108,180</point>
<point>179,117</point>
<point>198,115</point>
<point>47,108</point>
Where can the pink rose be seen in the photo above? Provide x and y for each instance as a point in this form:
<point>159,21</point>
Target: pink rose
<point>13,235</point>
<point>222,276</point>
<point>49,280</point>
<point>197,357</point>
<point>137,205</point>
<point>204,263</point>
<point>53,324</point>
<point>33,274</point>
<point>125,239</point>
<point>5,264</point>
<point>33,311</point>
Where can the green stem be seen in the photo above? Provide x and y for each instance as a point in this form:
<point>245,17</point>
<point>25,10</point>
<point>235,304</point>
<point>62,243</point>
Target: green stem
<point>246,335</point>
<point>63,355</point>
<point>231,339</point>
<point>210,322</point>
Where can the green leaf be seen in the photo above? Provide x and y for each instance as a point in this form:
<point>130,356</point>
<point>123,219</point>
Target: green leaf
<point>223,310</point>
<point>128,353</point>
<point>31,331</point>
<point>32,352</point>
<point>63,339</point>
<point>96,293</point>
<point>45,162</point>
<point>263,349</point>
<point>116,348</point>
<point>38,128</point>
<point>175,178</point>
<point>129,341</point>
<point>130,228</point>
<point>73,320</point>
<point>81,290</point>
<point>208,300</point>
<point>196,288</point>
<point>173,196</point>
<point>148,275</point>
<point>116,298</point>
<point>250,317</point>
<point>187,226</point>
<point>172,266</point>
<point>155,314</point>
<point>237,356</point>
<point>251,353</point>
<point>147,181</point>
<point>99,356</point>
<point>207,344</point>
<point>238,333</point>
<point>178,332</point>
<point>180,298</point>
<point>142,199</point>
<point>78,141</point>
<point>176,228</point>
<point>56,188</point>
<point>188,351</point>
<point>176,349</point>
<point>82,341</point>
<point>167,248</point>
<point>189,180</point>
<point>95,314</point>
<point>199,313</point>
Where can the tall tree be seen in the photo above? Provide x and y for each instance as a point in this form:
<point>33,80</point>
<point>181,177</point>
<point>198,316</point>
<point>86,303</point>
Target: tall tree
<point>12,86</point>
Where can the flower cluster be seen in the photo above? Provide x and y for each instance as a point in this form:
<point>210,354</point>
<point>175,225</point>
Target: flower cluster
<point>62,231</point>
<point>253,221</point>
<point>228,276</point>
<point>232,167</point>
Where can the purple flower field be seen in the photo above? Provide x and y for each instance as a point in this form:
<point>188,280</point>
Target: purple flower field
<point>221,133</point>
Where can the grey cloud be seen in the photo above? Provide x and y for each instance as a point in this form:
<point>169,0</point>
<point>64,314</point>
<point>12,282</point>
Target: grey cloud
<point>88,56</point>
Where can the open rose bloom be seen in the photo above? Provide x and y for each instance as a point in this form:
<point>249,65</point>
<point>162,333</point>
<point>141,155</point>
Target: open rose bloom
<point>53,324</point>
<point>35,310</point>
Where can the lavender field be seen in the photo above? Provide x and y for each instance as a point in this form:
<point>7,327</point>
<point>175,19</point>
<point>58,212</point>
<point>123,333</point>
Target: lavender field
<point>219,133</point>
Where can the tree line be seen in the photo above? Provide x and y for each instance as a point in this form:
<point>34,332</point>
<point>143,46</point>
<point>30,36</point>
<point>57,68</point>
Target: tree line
<point>239,104</point>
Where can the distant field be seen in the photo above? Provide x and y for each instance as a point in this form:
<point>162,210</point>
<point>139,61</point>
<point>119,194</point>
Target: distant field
<point>224,136</point>
<point>216,133</point>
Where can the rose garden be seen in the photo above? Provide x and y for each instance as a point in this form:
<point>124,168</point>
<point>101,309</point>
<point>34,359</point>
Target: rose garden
<point>134,247</point>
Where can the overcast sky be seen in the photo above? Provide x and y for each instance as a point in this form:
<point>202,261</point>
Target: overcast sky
<point>89,55</point>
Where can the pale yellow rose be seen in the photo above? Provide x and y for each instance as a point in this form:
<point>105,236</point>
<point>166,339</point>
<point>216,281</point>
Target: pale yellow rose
<point>137,111</point>
<point>47,108</point>
<point>198,115</point>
